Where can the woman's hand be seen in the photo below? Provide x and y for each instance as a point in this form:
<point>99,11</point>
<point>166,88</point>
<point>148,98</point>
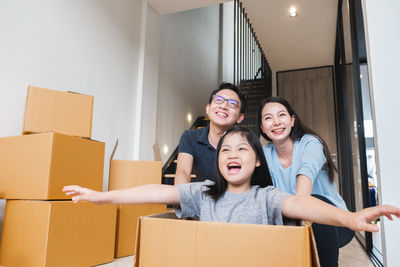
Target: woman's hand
<point>79,193</point>
<point>360,220</point>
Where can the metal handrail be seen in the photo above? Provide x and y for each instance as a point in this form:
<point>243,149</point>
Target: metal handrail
<point>174,154</point>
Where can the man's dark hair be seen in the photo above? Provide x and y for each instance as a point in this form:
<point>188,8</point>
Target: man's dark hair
<point>234,88</point>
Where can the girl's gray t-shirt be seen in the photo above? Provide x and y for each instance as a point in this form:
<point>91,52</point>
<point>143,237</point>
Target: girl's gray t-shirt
<point>256,206</point>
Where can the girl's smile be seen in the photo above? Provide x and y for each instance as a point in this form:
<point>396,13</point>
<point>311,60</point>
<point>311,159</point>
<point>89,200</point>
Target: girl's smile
<point>237,161</point>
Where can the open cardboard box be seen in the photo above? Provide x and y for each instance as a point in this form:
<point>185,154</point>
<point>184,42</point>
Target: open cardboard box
<point>37,166</point>
<point>57,233</point>
<point>126,174</point>
<point>164,240</point>
<point>64,112</point>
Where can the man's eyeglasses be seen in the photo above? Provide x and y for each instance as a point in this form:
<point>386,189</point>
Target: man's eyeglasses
<point>232,103</point>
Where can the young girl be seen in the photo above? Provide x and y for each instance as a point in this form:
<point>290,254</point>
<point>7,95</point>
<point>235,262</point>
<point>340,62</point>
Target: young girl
<point>300,163</point>
<point>238,194</point>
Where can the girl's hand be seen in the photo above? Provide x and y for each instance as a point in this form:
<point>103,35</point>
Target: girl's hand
<point>360,221</point>
<point>79,193</point>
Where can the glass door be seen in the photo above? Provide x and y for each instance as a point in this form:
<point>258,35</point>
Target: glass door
<point>376,246</point>
<point>357,94</point>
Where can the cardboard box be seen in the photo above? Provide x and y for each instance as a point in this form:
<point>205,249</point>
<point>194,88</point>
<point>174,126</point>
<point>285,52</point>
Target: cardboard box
<point>127,220</point>
<point>126,174</point>
<point>57,233</point>
<point>163,240</point>
<point>129,173</point>
<point>64,112</point>
<point>37,166</point>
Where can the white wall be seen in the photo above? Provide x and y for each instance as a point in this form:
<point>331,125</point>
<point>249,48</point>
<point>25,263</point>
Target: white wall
<point>382,23</point>
<point>228,42</point>
<point>91,47</point>
<point>188,70</point>
<point>150,86</point>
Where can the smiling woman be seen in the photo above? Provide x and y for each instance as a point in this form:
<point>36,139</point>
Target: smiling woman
<point>300,163</point>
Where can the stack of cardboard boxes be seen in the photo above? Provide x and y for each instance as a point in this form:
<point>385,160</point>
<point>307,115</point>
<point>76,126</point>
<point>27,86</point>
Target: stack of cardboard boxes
<point>41,226</point>
<point>125,174</point>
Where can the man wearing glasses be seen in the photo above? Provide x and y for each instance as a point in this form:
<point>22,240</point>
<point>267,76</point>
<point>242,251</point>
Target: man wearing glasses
<point>225,108</point>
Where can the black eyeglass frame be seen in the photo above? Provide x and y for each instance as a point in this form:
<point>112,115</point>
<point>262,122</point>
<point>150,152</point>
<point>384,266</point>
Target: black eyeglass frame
<point>232,103</point>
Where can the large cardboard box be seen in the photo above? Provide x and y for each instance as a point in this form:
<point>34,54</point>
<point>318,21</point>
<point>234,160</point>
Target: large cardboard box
<point>64,112</point>
<point>163,240</point>
<point>125,174</point>
<point>127,221</point>
<point>57,233</point>
<point>129,173</point>
<point>37,166</point>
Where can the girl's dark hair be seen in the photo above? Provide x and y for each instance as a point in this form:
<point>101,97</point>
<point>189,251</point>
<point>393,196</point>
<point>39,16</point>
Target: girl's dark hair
<point>261,175</point>
<point>298,130</point>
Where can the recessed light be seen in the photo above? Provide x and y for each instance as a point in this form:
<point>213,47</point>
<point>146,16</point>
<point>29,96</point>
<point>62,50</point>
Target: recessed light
<point>292,12</point>
<point>165,149</point>
<point>189,117</point>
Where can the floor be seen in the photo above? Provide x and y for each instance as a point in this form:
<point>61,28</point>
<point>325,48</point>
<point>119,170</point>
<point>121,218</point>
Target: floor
<point>351,255</point>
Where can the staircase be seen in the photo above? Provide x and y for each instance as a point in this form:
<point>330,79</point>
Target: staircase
<point>255,90</point>
<point>169,168</point>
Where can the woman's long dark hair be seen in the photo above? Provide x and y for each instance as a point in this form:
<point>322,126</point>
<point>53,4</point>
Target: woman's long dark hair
<point>298,131</point>
<point>261,175</point>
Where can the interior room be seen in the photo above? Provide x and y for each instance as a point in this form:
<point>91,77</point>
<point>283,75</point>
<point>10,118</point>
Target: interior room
<point>150,66</point>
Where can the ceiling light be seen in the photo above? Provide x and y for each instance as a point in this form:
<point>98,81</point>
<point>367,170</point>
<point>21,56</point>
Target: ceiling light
<point>293,12</point>
<point>189,117</point>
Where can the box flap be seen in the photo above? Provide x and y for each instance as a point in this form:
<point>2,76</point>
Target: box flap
<point>137,246</point>
<point>111,158</point>
<point>314,254</point>
<point>72,92</point>
<point>156,151</point>
<point>164,215</point>
<point>114,149</point>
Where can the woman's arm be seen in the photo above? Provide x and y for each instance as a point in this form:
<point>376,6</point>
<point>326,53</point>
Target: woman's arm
<point>312,209</point>
<point>311,162</point>
<point>303,185</point>
<point>151,193</point>
<point>183,168</point>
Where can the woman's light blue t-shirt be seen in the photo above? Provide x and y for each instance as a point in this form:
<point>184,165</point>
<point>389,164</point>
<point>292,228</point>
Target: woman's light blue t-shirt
<point>308,159</point>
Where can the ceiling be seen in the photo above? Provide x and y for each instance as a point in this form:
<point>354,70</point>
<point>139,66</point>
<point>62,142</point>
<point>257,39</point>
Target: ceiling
<point>307,40</point>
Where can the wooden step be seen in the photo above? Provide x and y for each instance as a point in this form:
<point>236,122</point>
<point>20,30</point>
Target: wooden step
<point>173,175</point>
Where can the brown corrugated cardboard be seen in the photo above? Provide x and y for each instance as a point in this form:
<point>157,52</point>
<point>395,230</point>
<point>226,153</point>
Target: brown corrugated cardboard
<point>127,218</point>
<point>163,240</point>
<point>128,173</point>
<point>57,233</point>
<point>37,166</point>
<point>125,174</point>
<point>64,112</point>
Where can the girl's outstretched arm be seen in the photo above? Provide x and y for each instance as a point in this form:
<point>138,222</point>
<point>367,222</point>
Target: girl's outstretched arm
<point>150,193</point>
<point>312,209</point>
